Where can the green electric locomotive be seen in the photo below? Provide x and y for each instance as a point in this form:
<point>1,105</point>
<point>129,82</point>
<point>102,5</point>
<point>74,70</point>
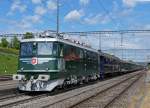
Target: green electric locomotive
<point>47,63</point>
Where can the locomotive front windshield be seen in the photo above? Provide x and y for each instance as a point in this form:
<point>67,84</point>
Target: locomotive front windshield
<point>26,49</point>
<point>39,48</point>
<point>45,48</point>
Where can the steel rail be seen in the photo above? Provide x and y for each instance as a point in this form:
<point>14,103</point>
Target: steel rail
<point>11,96</point>
<point>46,106</point>
<point>22,101</point>
<point>5,78</point>
<point>122,92</point>
<point>104,90</point>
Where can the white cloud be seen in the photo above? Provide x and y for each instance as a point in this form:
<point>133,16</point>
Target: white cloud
<point>51,5</point>
<point>34,19</point>
<point>115,6</point>
<point>132,3</point>
<point>24,24</point>
<point>131,46</point>
<point>40,10</point>
<point>17,24</point>
<point>84,2</point>
<point>36,1</point>
<point>74,15</point>
<point>17,6</point>
<point>6,21</point>
<point>125,12</point>
<point>27,22</point>
<point>97,19</point>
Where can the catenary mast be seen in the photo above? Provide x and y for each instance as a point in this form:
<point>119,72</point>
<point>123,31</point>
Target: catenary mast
<point>57,18</point>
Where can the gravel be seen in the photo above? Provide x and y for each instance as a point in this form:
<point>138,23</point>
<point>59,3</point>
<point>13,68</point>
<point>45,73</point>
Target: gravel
<point>124,101</point>
<point>8,85</point>
<point>72,97</point>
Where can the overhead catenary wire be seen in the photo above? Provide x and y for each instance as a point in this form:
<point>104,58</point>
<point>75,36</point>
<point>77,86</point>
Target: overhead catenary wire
<point>91,33</point>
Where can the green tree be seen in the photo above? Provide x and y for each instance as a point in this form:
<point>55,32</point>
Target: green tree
<point>15,43</point>
<point>28,35</point>
<point>4,42</point>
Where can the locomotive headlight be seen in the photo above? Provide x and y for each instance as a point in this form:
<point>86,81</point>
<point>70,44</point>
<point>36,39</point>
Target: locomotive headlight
<point>47,69</point>
<point>21,69</point>
<point>18,77</point>
<point>43,77</point>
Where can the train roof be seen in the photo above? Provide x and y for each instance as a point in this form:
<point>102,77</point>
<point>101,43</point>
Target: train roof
<point>74,44</point>
<point>60,40</point>
<point>110,56</point>
<point>52,39</point>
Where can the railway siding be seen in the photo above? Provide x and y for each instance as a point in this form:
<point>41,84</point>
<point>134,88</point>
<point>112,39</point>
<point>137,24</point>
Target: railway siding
<point>7,85</point>
<point>73,97</point>
<point>5,77</point>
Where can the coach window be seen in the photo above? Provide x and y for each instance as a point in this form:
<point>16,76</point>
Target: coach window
<point>66,50</point>
<point>81,53</point>
<point>77,52</point>
<point>55,49</point>
<point>60,50</point>
<point>88,55</point>
<point>94,57</point>
<point>72,51</point>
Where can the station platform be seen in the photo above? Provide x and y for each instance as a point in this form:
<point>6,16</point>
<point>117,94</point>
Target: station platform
<point>142,98</point>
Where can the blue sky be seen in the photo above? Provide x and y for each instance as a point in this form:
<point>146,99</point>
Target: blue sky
<point>18,16</point>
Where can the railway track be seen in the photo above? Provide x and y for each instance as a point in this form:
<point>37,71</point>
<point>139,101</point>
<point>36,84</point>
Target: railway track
<point>74,98</point>
<point>5,86</point>
<point>105,98</point>
<point>7,92</point>
<point>119,94</point>
<point>5,77</point>
<point>13,100</point>
<point>91,101</point>
<point>10,96</point>
<point>13,93</point>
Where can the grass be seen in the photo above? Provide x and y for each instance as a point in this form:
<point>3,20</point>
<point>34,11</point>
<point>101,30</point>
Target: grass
<point>9,50</point>
<point>8,61</point>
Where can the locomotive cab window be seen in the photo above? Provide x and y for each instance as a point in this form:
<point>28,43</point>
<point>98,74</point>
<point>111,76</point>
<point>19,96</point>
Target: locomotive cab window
<point>45,48</point>
<point>48,48</point>
<point>26,49</point>
<point>29,49</point>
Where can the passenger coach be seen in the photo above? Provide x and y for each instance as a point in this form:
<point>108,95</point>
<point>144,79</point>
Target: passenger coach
<point>47,63</point>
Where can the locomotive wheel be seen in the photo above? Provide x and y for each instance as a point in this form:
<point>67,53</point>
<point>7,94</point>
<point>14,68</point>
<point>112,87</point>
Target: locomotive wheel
<point>86,80</point>
<point>19,91</point>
